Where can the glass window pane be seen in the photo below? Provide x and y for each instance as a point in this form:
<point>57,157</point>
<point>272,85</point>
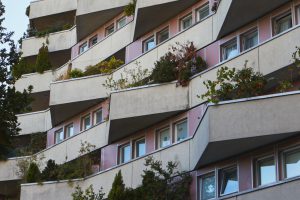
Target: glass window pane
<point>86,122</point>
<point>83,48</point>
<point>59,136</point>
<point>298,14</point>
<point>149,44</point>
<point>208,187</point>
<point>229,181</point>
<point>140,148</point>
<point>93,41</point>
<point>70,130</point>
<point>283,23</point>
<point>186,22</point>
<point>266,171</point>
<point>125,153</point>
<point>122,22</point>
<point>164,137</point>
<point>109,30</point>
<point>249,40</point>
<point>229,50</point>
<point>163,36</point>
<point>203,12</point>
<point>98,116</point>
<point>181,131</point>
<point>292,164</point>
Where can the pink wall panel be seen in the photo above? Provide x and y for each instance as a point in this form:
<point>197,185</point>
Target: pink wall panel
<point>194,117</point>
<point>245,174</point>
<point>108,157</point>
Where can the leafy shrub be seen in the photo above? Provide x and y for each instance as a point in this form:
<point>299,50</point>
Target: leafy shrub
<point>34,174</point>
<point>76,73</point>
<point>296,57</point>
<point>50,173</point>
<point>232,84</point>
<point>104,67</point>
<point>88,194</point>
<point>31,32</point>
<point>118,189</point>
<point>22,67</point>
<point>130,8</point>
<point>43,60</point>
<point>164,70</point>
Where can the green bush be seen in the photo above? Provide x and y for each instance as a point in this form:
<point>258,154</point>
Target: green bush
<point>118,189</point>
<point>92,70</point>
<point>22,67</point>
<point>43,60</point>
<point>130,8</point>
<point>88,194</point>
<point>33,174</point>
<point>76,73</point>
<point>50,173</point>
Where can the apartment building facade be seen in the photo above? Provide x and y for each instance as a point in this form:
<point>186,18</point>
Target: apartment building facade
<point>238,149</point>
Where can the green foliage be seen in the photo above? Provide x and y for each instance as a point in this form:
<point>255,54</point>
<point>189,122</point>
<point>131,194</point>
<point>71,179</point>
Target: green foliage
<point>33,174</point>
<point>88,194</point>
<point>22,67</point>
<point>118,189</point>
<point>104,67</point>
<point>50,173</point>
<point>23,147</point>
<point>24,164</point>
<point>43,60</point>
<point>232,84</point>
<point>31,32</point>
<point>130,8</point>
<point>296,57</point>
<point>76,73</point>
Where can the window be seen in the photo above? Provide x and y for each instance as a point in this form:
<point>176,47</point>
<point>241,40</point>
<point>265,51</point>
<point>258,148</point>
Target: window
<point>202,12</point>
<point>121,22</point>
<point>228,181</point>
<point>291,163</point>
<point>163,138</point>
<point>69,130</point>
<point>86,123</point>
<point>282,23</point>
<point>229,50</point>
<point>249,39</point>
<point>109,30</point>
<point>148,44</point>
<point>83,48</point>
<point>162,35</point>
<point>186,22</point>
<point>140,147</point>
<point>93,41</point>
<point>298,14</point>
<point>208,187</point>
<point>265,171</point>
<point>59,136</point>
<point>98,116</point>
<point>124,153</point>
<point>181,131</point>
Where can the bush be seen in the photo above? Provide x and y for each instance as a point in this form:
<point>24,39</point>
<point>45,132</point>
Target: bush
<point>88,194</point>
<point>118,190</point>
<point>43,60</point>
<point>130,8</point>
<point>107,67</point>
<point>22,67</point>
<point>76,73</point>
<point>50,173</point>
<point>33,174</point>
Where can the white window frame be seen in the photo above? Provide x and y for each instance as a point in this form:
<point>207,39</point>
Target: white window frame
<point>135,147</point>
<point>86,47</point>
<point>83,125</point>
<point>198,11</point>
<point>95,116</point>
<point>121,150</point>
<point>118,22</point>
<point>279,17</point>
<point>200,181</point>
<point>243,37</point>
<point>66,130</point>
<point>145,42</point>
<point>91,39</point>
<point>256,168</point>
<point>283,167</point>
<point>226,45</point>
<point>158,133</point>
<point>298,13</point>
<point>181,21</point>
<point>161,31</point>
<point>61,130</point>
<point>175,130</point>
<point>221,180</point>
<point>111,26</point>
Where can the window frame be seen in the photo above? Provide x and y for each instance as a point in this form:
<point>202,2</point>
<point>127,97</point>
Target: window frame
<point>243,38</point>
<point>226,45</point>
<point>167,28</point>
<point>81,46</point>
<point>283,162</point>
<point>91,40</point>
<point>95,116</point>
<point>111,26</point>
<point>135,152</point>
<point>201,8</point>
<point>145,49</point>
<point>158,133</point>
<point>185,120</point>
<point>121,150</point>
<point>61,130</point>
<point>298,14</point>
<point>200,183</point>
<point>220,180</point>
<point>257,173</point>
<point>118,21</point>
<point>83,122</point>
<point>276,18</point>
<point>66,130</point>
<point>181,21</point>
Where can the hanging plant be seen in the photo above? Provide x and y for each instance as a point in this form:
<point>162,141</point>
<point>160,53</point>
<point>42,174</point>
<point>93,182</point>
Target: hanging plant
<point>130,8</point>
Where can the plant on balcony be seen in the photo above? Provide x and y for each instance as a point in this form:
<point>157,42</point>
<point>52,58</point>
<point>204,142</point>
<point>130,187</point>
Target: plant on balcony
<point>32,32</point>
<point>118,190</point>
<point>131,78</point>
<point>296,57</point>
<point>12,102</point>
<point>104,67</point>
<point>234,84</point>
<point>43,60</point>
<point>76,73</point>
<point>215,6</point>
<point>130,8</point>
<point>50,172</point>
<point>22,67</point>
<point>24,164</point>
<point>179,64</point>
<point>88,194</point>
<point>33,174</point>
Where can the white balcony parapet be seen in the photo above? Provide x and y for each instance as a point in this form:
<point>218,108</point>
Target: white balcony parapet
<point>58,41</point>
<point>41,8</point>
<point>35,122</point>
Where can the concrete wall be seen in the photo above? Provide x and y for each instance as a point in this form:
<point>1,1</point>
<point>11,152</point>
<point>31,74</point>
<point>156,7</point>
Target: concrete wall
<point>57,41</point>
<point>9,169</point>
<point>35,122</point>
<point>42,8</point>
